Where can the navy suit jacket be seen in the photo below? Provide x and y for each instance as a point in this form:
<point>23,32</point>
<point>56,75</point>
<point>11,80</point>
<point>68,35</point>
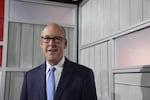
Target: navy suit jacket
<point>76,83</point>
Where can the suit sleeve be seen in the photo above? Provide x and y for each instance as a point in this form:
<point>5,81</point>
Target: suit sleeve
<point>24,93</point>
<point>89,89</point>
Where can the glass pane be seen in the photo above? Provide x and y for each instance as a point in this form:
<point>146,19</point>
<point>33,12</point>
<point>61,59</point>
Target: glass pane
<point>133,49</point>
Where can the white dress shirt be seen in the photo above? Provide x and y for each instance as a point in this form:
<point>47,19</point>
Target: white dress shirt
<point>58,71</point>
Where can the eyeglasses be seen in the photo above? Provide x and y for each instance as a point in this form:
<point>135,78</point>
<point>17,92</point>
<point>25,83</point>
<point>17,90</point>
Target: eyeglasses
<point>56,39</point>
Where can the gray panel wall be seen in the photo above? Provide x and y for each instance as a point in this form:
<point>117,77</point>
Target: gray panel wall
<point>132,86</point>
<point>24,53</point>
<point>22,45</point>
<point>13,85</point>
<point>96,58</point>
<point>101,21</point>
<point>22,29</point>
<point>102,18</point>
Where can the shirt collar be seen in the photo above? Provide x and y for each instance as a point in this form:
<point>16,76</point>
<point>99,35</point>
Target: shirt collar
<point>58,67</point>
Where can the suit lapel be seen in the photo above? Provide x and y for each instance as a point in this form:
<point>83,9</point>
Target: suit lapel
<point>65,77</point>
<point>42,82</point>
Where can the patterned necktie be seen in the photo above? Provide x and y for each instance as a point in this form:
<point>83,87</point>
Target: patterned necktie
<point>50,87</point>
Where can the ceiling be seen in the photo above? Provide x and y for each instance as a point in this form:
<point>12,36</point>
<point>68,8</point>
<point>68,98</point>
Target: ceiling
<point>68,1</point>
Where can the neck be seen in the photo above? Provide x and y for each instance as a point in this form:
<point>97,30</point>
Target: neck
<point>54,62</point>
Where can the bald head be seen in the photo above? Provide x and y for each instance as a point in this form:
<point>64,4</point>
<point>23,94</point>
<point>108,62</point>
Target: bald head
<point>53,27</point>
<point>53,43</point>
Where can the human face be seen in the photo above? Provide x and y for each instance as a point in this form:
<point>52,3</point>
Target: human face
<point>53,43</point>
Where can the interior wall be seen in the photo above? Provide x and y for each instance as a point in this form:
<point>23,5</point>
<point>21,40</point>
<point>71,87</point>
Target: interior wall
<point>102,22</point>
<point>24,21</point>
<point>43,13</point>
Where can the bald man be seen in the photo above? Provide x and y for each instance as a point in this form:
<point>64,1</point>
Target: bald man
<point>72,81</point>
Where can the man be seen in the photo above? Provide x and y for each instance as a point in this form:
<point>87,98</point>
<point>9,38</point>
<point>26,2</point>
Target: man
<point>72,81</point>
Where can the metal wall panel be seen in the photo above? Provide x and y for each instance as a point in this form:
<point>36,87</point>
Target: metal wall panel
<point>124,14</point>
<point>106,18</point>
<point>146,8</point>
<point>114,16</point>
<point>14,82</point>
<point>137,79</point>
<point>70,51</point>
<point>136,15</point>
<point>13,54</point>
<point>92,20</point>
<point>91,58</point>
<point>88,33</point>
<point>72,44</point>
<point>66,51</point>
<point>126,92</point>
<point>99,19</point>
<point>26,45</point>
<point>85,57</point>
<point>97,71</point>
<point>105,71</point>
<point>83,30</point>
<point>131,92</point>
<point>38,56</point>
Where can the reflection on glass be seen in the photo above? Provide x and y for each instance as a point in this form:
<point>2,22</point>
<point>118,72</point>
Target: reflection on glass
<point>133,49</point>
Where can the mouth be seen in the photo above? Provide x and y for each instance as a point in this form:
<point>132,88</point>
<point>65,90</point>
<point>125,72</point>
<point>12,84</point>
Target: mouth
<point>52,50</point>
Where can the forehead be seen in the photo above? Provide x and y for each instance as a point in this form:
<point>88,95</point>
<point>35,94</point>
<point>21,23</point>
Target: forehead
<point>52,30</point>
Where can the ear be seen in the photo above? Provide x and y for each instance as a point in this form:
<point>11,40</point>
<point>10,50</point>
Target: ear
<point>41,43</point>
<point>65,44</point>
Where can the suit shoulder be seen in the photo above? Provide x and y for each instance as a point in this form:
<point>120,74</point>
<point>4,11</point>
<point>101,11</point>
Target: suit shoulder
<point>36,69</point>
<point>80,68</point>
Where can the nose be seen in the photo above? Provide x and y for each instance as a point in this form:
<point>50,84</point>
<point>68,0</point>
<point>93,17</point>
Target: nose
<point>51,42</point>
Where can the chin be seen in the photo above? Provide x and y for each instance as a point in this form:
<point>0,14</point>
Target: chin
<point>52,58</point>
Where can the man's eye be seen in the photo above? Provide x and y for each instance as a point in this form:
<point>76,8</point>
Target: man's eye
<point>58,38</point>
<point>46,38</point>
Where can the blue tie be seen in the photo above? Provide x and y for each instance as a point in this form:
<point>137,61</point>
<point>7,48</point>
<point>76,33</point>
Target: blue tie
<point>50,87</point>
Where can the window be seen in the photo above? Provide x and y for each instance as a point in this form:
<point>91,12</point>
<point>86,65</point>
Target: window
<point>133,49</point>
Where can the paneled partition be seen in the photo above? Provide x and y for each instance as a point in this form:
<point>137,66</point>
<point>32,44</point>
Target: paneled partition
<point>114,42</point>
<point>21,23</point>
<point>13,86</point>
<point>102,18</point>
<point>24,45</point>
<point>132,86</point>
<point>132,52</point>
<point>96,57</point>
<point>24,53</point>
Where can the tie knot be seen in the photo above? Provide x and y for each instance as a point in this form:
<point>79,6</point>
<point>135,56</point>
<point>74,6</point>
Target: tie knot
<point>52,69</point>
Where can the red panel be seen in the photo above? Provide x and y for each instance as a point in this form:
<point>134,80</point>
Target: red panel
<point>2,8</point>
<point>1,55</point>
<point>1,29</point>
<point>1,19</point>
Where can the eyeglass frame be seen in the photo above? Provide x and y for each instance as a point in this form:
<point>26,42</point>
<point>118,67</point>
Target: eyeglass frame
<point>56,39</point>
